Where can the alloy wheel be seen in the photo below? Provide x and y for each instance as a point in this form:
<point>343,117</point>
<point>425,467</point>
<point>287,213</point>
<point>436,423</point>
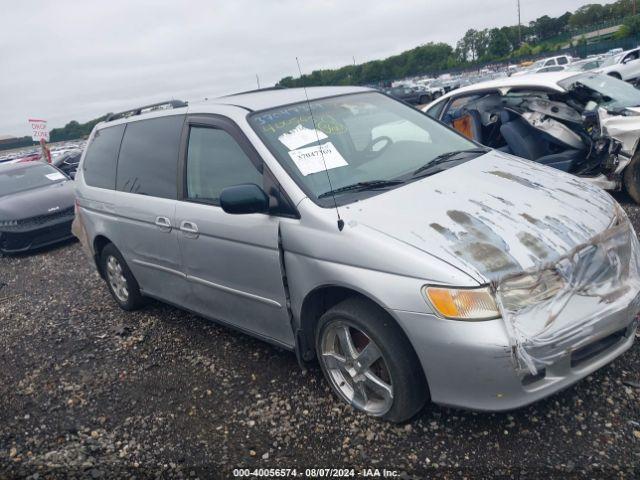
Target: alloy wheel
<point>117,280</point>
<point>356,368</point>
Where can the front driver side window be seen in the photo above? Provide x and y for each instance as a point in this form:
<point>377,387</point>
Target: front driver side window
<point>215,161</point>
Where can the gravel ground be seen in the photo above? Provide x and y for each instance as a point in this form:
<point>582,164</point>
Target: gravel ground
<point>88,390</point>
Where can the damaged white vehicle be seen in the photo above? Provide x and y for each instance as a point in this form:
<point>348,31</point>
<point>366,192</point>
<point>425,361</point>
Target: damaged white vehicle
<point>587,124</point>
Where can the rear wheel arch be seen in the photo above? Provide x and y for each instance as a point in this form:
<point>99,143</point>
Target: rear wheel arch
<point>615,75</point>
<point>98,245</point>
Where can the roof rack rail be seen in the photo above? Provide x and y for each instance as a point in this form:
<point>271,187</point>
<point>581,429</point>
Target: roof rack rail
<point>147,108</point>
<point>265,89</point>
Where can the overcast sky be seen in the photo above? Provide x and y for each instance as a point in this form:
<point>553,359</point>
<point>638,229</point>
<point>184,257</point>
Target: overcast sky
<point>75,60</point>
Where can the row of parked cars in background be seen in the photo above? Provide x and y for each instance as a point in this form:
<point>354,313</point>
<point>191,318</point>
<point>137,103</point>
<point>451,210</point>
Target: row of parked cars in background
<point>624,65</point>
<point>65,156</point>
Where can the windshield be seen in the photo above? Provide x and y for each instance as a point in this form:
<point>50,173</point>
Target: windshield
<point>18,179</point>
<point>538,64</point>
<point>611,60</point>
<point>605,90</point>
<point>364,138</point>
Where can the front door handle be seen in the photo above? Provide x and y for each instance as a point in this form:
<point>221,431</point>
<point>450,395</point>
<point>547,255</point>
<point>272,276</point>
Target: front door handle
<point>164,223</point>
<point>189,227</point>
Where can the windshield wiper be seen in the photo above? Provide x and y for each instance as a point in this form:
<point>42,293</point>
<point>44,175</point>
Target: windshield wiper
<point>362,186</point>
<point>447,157</point>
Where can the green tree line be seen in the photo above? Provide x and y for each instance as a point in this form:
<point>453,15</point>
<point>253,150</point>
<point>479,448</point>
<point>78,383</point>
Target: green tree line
<point>544,34</point>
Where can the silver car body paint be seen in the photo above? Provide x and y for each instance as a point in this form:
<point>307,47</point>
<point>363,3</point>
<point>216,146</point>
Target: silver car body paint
<point>491,220</point>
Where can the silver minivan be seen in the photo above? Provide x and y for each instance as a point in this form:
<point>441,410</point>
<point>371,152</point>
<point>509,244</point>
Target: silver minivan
<point>346,226</point>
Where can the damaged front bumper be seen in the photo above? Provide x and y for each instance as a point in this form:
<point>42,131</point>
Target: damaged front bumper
<point>470,364</point>
<point>591,292</point>
<point>559,322</point>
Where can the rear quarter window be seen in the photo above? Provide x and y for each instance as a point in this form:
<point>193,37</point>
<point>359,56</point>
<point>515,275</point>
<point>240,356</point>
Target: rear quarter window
<point>148,162</point>
<point>101,157</point>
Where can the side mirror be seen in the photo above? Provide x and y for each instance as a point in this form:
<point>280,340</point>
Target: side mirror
<point>243,199</point>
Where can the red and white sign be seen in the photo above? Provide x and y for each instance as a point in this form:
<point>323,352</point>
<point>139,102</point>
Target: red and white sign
<point>39,130</point>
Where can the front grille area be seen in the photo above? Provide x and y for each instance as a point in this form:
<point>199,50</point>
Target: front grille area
<point>46,218</point>
<point>530,379</point>
<point>14,241</point>
<point>586,353</point>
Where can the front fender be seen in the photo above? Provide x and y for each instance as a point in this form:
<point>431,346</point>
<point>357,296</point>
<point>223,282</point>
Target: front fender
<point>390,291</point>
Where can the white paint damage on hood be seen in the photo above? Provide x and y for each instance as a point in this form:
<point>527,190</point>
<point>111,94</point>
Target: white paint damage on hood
<point>492,216</point>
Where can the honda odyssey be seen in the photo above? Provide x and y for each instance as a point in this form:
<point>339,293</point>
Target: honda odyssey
<point>410,262</point>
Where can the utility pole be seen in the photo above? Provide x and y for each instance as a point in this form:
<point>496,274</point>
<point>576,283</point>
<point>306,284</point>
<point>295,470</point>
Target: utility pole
<point>258,81</point>
<point>519,27</point>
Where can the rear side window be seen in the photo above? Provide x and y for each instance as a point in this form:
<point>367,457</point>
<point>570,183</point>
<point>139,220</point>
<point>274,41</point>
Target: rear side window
<point>148,162</point>
<point>562,60</point>
<point>216,161</point>
<point>101,157</point>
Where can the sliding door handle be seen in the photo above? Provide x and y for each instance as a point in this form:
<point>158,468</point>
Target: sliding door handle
<point>163,222</point>
<point>189,227</point>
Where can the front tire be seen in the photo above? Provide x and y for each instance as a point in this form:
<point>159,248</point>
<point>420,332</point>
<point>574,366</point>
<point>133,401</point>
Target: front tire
<point>122,284</point>
<point>368,361</point>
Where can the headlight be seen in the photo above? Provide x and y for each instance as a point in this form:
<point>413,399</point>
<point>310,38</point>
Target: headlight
<point>526,290</point>
<point>462,303</point>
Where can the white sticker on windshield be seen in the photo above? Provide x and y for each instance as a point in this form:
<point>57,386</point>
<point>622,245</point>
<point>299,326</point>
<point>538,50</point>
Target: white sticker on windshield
<point>55,176</point>
<point>314,159</point>
<point>301,136</point>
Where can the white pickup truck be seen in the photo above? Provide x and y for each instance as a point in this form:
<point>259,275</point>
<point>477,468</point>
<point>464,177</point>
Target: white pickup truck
<point>550,64</point>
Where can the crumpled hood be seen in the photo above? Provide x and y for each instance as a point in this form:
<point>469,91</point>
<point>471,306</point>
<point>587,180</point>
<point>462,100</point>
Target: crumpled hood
<point>492,216</point>
<point>38,201</point>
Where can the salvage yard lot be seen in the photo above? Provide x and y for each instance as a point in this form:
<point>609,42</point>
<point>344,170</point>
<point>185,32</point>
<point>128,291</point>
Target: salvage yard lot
<point>90,390</point>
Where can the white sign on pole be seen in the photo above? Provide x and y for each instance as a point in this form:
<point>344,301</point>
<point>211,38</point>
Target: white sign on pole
<point>39,130</point>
